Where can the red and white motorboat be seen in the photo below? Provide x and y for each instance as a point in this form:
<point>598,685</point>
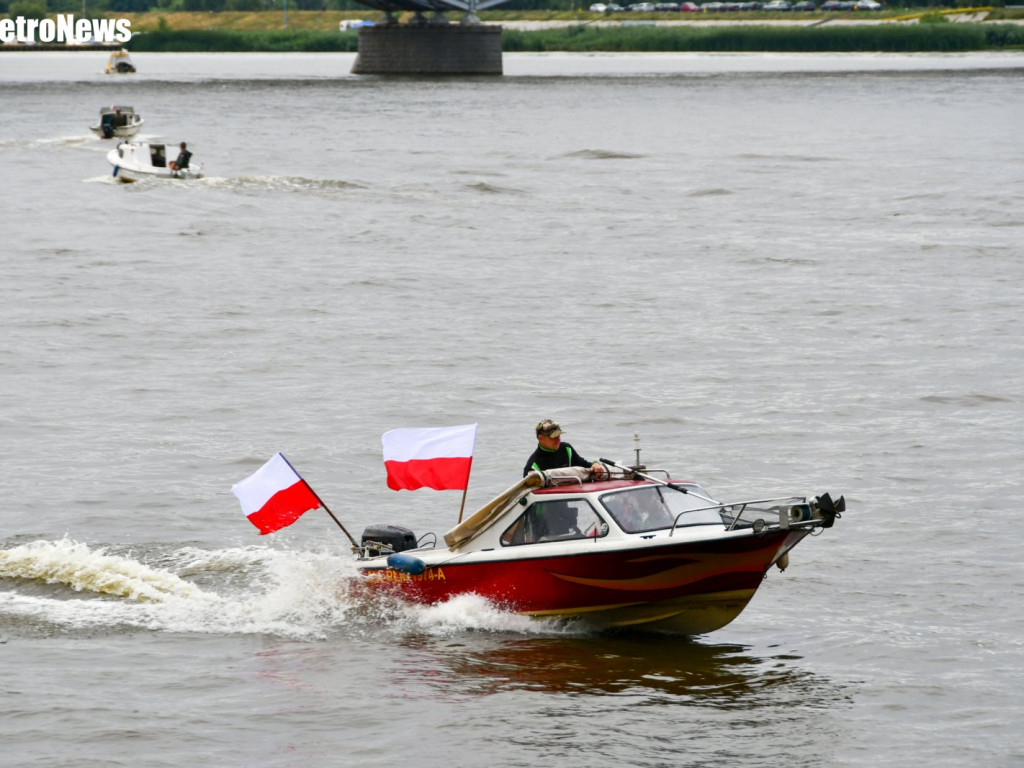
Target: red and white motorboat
<point>629,550</point>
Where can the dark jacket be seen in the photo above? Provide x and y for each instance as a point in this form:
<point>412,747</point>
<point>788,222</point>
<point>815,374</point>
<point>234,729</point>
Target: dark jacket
<point>544,459</point>
<point>183,158</point>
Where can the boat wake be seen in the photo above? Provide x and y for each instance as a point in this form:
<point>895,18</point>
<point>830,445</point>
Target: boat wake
<point>51,587</point>
<point>602,154</point>
<point>299,184</point>
<point>106,178</point>
<point>89,140</point>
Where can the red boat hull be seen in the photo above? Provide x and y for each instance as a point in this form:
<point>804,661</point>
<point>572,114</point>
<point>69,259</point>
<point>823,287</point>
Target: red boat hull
<point>691,587</point>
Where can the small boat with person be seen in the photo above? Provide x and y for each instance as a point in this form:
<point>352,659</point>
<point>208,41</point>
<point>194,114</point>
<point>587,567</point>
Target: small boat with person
<point>120,63</point>
<point>117,122</point>
<point>628,550</point>
<point>606,545</point>
<point>136,160</point>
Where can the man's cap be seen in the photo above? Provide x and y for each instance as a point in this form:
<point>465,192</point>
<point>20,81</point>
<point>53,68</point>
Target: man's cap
<point>549,428</point>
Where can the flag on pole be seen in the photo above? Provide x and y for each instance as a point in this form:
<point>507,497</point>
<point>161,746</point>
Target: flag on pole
<point>274,496</point>
<point>438,458</point>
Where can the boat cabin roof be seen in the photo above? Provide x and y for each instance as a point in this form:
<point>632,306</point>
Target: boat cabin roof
<point>601,486</point>
<point>117,109</point>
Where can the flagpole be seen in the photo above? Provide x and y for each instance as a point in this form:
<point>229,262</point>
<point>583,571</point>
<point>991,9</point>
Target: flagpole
<point>355,547</point>
<point>466,489</point>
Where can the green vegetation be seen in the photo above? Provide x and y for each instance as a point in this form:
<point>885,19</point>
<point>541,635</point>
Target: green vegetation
<point>891,38</point>
<point>317,31</point>
<point>281,40</point>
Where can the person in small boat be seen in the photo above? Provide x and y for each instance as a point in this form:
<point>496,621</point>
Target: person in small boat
<point>552,453</point>
<point>182,160</point>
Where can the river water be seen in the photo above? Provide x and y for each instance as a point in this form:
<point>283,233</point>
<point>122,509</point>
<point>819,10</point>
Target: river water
<point>787,274</point>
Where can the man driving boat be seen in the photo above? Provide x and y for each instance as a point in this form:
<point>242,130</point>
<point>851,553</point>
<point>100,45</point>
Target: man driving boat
<point>552,453</point>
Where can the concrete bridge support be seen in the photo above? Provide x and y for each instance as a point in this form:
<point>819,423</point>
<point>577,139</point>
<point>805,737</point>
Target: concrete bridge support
<point>430,49</point>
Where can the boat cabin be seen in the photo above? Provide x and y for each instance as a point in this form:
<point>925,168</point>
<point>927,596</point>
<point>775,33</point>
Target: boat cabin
<point>154,155</point>
<point>561,513</point>
<point>116,117</point>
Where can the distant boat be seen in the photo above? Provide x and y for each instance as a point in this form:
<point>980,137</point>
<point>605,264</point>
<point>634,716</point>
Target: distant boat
<point>117,123</point>
<point>120,63</point>
<point>135,160</point>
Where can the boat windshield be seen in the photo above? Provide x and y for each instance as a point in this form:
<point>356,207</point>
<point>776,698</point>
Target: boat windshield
<point>654,507</point>
<point>556,520</point>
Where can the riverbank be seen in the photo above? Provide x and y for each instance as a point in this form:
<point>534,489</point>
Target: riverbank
<point>316,31</point>
<point>328,21</point>
<point>888,38</point>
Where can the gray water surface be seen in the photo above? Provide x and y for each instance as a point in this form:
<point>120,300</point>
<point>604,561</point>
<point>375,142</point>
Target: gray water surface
<point>787,274</point>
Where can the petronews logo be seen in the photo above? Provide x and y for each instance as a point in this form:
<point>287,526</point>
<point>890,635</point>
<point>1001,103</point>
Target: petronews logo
<point>65,30</point>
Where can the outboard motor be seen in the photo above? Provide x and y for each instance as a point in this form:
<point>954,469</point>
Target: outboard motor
<point>385,539</point>
<point>830,510</point>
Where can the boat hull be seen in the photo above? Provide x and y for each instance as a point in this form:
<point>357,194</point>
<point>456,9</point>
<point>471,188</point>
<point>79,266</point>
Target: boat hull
<point>686,587</point>
<point>129,165</point>
<point>121,132</point>
<point>127,175</point>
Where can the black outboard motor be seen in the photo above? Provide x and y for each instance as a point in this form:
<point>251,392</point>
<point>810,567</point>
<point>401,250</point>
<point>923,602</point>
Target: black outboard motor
<point>385,539</point>
<point>830,510</point>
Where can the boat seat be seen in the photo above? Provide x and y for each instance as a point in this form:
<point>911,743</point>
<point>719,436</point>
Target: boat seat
<point>555,520</point>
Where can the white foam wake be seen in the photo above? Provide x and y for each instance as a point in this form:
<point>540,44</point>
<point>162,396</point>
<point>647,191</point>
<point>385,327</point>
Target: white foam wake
<point>252,590</point>
<point>83,569</point>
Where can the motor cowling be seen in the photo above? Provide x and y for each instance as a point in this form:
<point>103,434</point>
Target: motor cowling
<point>830,510</point>
<point>386,539</point>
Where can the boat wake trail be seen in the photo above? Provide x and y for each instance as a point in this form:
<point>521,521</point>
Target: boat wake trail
<point>53,587</point>
<point>57,142</point>
<point>85,570</point>
<point>299,184</point>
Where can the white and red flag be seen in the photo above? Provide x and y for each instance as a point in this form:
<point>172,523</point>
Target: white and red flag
<point>275,496</point>
<point>438,458</point>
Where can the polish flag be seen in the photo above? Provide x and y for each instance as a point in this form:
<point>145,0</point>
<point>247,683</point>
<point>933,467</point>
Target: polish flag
<point>274,496</point>
<point>437,458</point>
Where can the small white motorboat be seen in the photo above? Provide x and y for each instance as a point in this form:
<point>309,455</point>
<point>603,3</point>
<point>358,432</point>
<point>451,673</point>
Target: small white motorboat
<point>117,123</point>
<point>120,63</point>
<point>135,160</point>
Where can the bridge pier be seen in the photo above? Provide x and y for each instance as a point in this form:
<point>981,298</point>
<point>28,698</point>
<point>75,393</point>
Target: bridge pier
<point>431,48</point>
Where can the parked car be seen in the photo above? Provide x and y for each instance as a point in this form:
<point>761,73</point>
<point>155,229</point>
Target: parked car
<point>598,8</point>
<point>666,6</point>
<point>805,5</point>
<point>688,7</point>
<point>643,7</point>
<point>867,5</point>
<point>348,24</point>
<point>714,7</point>
<point>777,5</point>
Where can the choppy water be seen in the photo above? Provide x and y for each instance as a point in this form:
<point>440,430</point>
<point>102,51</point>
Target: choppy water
<point>789,274</point>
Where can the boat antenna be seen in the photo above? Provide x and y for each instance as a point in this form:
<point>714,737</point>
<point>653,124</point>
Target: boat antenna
<point>673,486</point>
<point>636,447</point>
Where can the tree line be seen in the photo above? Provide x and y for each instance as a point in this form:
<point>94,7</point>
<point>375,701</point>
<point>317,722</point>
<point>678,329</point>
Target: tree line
<point>41,8</point>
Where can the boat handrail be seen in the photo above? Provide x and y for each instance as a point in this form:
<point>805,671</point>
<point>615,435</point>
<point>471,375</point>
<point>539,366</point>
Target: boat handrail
<point>664,472</point>
<point>732,505</point>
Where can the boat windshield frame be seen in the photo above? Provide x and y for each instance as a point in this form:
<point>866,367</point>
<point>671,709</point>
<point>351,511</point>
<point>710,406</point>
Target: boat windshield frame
<point>648,508</point>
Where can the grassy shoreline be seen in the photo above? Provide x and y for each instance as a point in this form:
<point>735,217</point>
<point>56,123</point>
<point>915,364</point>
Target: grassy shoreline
<point>886,38</point>
<point>317,31</point>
